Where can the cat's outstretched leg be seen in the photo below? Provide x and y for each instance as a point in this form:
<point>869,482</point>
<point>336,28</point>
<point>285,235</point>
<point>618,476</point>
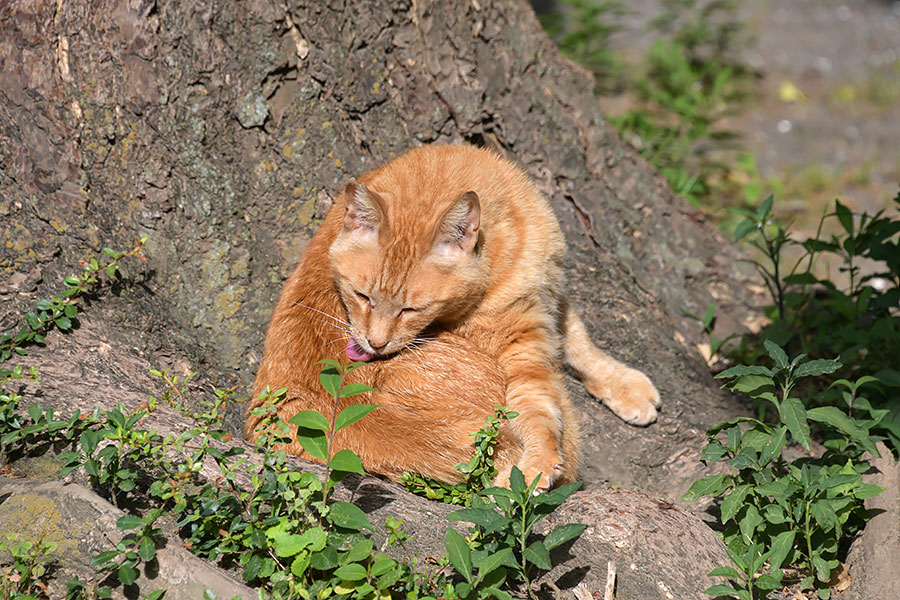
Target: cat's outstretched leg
<point>627,392</point>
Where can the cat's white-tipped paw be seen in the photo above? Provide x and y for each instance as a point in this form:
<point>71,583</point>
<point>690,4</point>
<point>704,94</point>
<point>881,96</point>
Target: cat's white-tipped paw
<point>633,397</point>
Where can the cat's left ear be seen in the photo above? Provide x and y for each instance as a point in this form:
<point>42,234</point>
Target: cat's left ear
<point>457,229</point>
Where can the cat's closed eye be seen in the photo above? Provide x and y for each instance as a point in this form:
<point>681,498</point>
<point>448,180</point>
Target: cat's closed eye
<point>364,298</point>
<point>407,311</point>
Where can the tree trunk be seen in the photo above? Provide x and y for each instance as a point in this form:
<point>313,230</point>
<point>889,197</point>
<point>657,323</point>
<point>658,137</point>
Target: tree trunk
<point>222,129</point>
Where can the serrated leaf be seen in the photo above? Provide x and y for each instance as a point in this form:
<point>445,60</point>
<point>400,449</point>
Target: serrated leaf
<point>773,448</point>
<point>352,414</point>
<point>793,415</point>
<point>459,553</point>
<point>867,490</point>
<point>562,534</point>
<point>310,419</point>
<point>349,516</point>
<point>346,460</point>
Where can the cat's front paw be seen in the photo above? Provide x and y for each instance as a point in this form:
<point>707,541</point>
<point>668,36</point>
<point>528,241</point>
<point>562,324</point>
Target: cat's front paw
<point>551,470</point>
<point>632,397</point>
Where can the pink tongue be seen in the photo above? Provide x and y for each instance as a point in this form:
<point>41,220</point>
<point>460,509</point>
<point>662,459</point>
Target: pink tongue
<point>354,352</point>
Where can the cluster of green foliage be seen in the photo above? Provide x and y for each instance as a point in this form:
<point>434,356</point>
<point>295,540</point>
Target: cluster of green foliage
<point>840,389</point>
<point>479,471</point>
<point>689,80</point>
<point>59,311</point>
<point>290,538</point>
<point>23,579</point>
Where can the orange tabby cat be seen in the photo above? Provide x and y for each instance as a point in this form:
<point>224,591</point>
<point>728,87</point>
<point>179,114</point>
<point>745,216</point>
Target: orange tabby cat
<point>443,271</point>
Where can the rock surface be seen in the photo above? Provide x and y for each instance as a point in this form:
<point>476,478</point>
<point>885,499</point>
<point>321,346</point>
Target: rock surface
<point>222,130</point>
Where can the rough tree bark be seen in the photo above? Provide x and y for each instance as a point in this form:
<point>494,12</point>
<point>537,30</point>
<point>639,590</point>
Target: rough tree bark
<point>222,129</point>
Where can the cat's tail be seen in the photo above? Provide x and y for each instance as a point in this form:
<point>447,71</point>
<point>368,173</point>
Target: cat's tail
<point>627,392</point>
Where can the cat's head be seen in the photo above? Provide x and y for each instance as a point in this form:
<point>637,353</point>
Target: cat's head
<point>401,264</point>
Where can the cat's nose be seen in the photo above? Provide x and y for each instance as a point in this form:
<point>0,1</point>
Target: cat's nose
<point>377,344</point>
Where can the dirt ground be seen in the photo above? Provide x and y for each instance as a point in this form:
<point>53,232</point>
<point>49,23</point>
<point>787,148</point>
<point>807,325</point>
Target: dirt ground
<point>825,121</point>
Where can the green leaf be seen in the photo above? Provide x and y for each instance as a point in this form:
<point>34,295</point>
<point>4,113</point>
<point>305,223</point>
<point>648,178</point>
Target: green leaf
<point>733,502</point>
<point>112,253</point>
<point>824,514</point>
<point>359,552</point>
<point>459,553</point>
<point>352,414</point>
<point>313,441</point>
<point>310,419</point>
<point>707,486</point>
<point>147,548</point>
<point>346,460</point>
<point>793,415</point>
<point>64,323</point>
<point>724,572</point>
<point>127,522</point>
<point>557,496</point>
<point>127,575</point>
<point>817,367</point>
<point>72,281</point>
<point>763,210</point>
<point>155,595</point>
<point>494,561</point>
<point>776,354</point>
<point>538,555</point>
<point>744,370</point>
<point>344,514</point>
<point>484,517</point>
<point>749,522</point>
<point>845,217</point>
<point>330,378</point>
<point>722,590</point>
<point>562,534</point>
<point>781,546</point>
<point>743,228</point>
<point>352,389</point>
<point>773,448</point>
<point>71,311</point>
<point>33,320</point>
<point>351,572</point>
<point>867,490</point>
<point>288,544</point>
<point>823,571</point>
<point>837,419</point>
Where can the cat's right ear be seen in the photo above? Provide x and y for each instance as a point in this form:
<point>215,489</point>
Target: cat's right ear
<point>364,213</point>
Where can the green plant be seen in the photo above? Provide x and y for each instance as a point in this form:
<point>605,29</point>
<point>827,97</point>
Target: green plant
<point>23,577</point>
<point>777,512</point>
<point>582,30</point>
<point>135,548</point>
<point>58,311</point>
<point>479,471</point>
<point>854,320</point>
<point>504,537</point>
